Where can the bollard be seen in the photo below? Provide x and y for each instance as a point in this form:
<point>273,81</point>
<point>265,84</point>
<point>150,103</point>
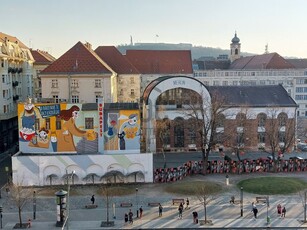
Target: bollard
<point>227,180</point>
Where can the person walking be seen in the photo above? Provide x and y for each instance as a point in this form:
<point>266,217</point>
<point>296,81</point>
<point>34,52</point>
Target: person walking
<point>141,212</point>
<point>283,212</point>
<point>187,203</point>
<point>160,210</point>
<point>93,199</point>
<point>130,214</point>
<point>254,210</point>
<point>180,209</point>
<point>279,210</point>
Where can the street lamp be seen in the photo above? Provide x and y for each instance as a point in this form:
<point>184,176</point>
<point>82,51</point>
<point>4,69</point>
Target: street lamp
<point>267,210</point>
<point>69,176</point>
<point>1,209</point>
<point>34,205</point>
<point>241,202</point>
<point>136,200</point>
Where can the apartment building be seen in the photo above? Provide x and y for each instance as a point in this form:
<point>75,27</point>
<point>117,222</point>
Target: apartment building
<point>16,71</point>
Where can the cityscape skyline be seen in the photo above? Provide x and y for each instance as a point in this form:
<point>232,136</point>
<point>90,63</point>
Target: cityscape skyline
<point>55,26</point>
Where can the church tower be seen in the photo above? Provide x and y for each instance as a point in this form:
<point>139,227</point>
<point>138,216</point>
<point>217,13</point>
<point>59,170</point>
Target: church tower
<point>235,48</point>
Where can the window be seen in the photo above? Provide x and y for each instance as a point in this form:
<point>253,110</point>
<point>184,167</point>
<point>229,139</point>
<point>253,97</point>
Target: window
<point>261,120</point>
<point>282,119</point>
<point>3,78</point>
<point>179,132</point>
<point>55,98</point>
<point>121,92</point>
<point>75,83</point>
<point>89,123</point>
<point>225,82</point>
<point>132,92</point>
<point>261,137</point>
<point>5,109</point>
<point>216,83</point>
<point>54,83</point>
<point>58,125</point>
<point>97,83</point>
<point>97,97</point>
<point>132,80</point>
<point>47,123</point>
<point>75,99</point>
<point>281,136</point>
<point>240,139</point>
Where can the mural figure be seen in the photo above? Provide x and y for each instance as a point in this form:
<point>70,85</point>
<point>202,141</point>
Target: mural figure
<point>69,130</point>
<point>129,133</point>
<point>28,117</point>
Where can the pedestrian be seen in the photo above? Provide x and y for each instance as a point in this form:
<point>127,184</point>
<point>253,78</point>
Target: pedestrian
<point>279,210</point>
<point>254,210</point>
<point>141,212</point>
<point>126,218</point>
<point>93,199</point>
<point>188,202</point>
<point>196,217</point>
<point>180,209</point>
<point>160,210</point>
<point>283,212</point>
<point>130,214</point>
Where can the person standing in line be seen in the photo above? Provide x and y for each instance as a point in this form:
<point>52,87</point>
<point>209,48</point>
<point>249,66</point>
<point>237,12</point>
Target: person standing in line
<point>188,202</point>
<point>130,217</point>
<point>279,210</point>
<point>141,212</point>
<point>283,212</point>
<point>160,210</point>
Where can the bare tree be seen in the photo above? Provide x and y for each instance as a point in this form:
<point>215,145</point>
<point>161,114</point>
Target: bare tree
<point>280,132</point>
<point>106,192</point>
<point>205,193</point>
<point>20,196</point>
<point>205,112</point>
<point>163,129</point>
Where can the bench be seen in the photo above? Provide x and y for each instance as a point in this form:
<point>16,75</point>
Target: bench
<point>261,198</point>
<point>90,206</point>
<point>125,204</point>
<point>153,204</point>
<point>177,201</point>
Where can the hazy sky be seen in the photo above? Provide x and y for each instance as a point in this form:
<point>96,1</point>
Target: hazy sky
<point>57,25</point>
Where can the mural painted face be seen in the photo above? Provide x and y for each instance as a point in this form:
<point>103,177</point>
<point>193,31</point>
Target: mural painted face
<point>75,114</point>
<point>132,120</point>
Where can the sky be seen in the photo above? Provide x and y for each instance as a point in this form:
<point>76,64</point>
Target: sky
<point>57,25</point>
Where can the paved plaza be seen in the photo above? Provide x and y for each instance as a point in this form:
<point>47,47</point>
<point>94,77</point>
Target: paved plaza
<point>220,211</point>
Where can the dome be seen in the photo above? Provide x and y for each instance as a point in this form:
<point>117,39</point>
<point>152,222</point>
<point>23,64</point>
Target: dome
<point>235,39</point>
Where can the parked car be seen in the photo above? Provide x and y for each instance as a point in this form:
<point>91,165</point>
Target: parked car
<point>302,147</point>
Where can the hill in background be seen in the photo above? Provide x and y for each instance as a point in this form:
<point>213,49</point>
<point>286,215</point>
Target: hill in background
<point>196,51</point>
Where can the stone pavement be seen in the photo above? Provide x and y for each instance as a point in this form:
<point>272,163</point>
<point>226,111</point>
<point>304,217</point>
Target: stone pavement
<point>223,214</point>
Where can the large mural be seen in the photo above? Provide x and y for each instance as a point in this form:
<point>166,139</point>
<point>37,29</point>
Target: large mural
<point>122,131</point>
<point>73,128</point>
<point>48,128</point>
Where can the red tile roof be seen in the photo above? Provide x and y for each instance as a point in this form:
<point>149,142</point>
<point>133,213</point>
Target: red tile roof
<point>114,59</point>
<point>42,57</point>
<point>12,39</point>
<point>161,61</point>
<point>79,59</point>
<point>264,61</point>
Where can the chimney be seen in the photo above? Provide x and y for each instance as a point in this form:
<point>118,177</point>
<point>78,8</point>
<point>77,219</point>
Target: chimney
<point>88,45</point>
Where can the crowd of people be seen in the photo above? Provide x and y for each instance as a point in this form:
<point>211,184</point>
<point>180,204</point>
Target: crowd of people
<point>162,175</point>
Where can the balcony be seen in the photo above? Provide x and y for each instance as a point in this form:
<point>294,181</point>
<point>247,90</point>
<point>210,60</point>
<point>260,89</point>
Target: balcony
<point>15,83</point>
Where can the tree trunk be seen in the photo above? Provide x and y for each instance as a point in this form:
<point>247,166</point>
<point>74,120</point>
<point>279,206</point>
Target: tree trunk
<point>205,209</point>
<point>19,213</point>
<point>205,161</point>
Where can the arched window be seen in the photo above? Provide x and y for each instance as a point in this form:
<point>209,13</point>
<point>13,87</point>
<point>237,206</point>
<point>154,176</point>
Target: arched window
<point>261,119</point>
<point>179,132</point>
<point>282,119</point>
<point>241,119</point>
<point>236,51</point>
<point>220,120</point>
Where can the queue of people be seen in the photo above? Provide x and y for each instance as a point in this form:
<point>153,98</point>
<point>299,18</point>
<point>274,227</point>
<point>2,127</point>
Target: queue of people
<point>162,175</point>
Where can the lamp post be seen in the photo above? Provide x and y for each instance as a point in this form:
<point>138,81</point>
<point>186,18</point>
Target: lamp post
<point>34,205</point>
<point>305,208</point>
<point>241,202</point>
<point>267,210</point>
<point>69,176</point>
<point>1,210</point>
<point>136,200</point>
